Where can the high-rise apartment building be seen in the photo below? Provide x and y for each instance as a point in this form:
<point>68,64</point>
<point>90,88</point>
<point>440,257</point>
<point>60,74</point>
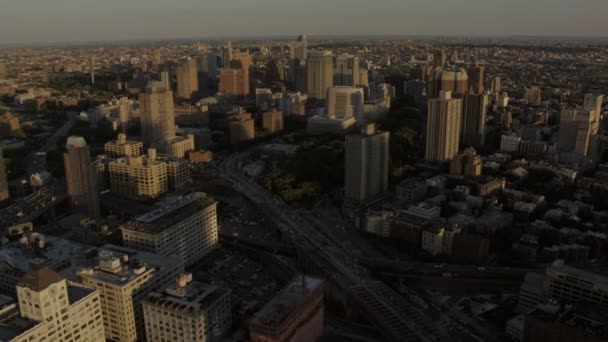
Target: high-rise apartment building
<point>234,81</point>
<point>447,80</point>
<point>576,129</point>
<point>124,277</point>
<point>157,115</point>
<point>4,193</point>
<point>475,108</point>
<point>594,102</point>
<point>50,309</point>
<point>345,102</point>
<point>186,227</point>
<point>187,79</point>
<point>346,70</point>
<point>295,314</point>
<point>121,147</point>
<point>80,177</point>
<point>208,66</point>
<point>443,127</point>
<point>476,78</point>
<point>366,165</point>
<point>187,311</point>
<point>140,177</point>
<point>272,121</point>
<point>320,73</point>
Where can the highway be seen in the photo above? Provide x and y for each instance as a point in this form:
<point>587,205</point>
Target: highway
<point>395,318</point>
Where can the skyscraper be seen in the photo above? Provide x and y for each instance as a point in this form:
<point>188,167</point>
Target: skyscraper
<point>346,70</point>
<point>320,73</point>
<point>124,113</point>
<point>366,165</point>
<point>4,194</point>
<point>474,119</point>
<point>345,102</point>
<point>187,79</point>
<point>157,115</point>
<point>447,80</point>
<point>227,54</point>
<point>443,127</point>
<point>576,129</point>
<point>234,81</point>
<point>165,79</point>
<point>496,86</point>
<point>476,78</point>
<point>207,65</point>
<point>594,102</point>
<point>80,177</point>
<point>439,58</point>
<point>532,95</point>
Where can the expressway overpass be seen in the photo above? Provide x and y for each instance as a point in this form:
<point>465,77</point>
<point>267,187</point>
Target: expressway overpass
<point>395,318</point>
<point>33,206</point>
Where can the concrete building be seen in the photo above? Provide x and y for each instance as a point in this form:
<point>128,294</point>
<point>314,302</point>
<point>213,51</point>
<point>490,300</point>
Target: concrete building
<point>443,127</point>
<point>121,147</point>
<point>241,130</point>
<point>510,142</point>
<point>186,227</point>
<point>476,75</point>
<point>594,102</point>
<point>234,81</point>
<point>80,177</point>
<point>157,115</point>
<point>124,277</point>
<point>576,128</point>
<point>188,115</point>
<point>475,108</point>
<point>345,102</point>
<point>4,193</point>
<point>322,124</point>
<point>50,309</point>
<point>439,241</point>
<point>495,87</point>
<point>272,121</point>
<point>320,73</point>
<point>573,284</point>
<point>208,66</point>
<point>124,113</point>
<point>187,311</point>
<point>178,146</point>
<point>263,97</point>
<point>532,95</point>
<point>141,177</point>
<point>366,165</point>
<point>346,70</point>
<point>468,164</point>
<point>187,79</point>
<point>295,314</point>
<point>455,81</point>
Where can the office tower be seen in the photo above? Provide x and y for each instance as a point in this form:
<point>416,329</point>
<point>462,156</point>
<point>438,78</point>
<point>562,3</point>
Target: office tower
<point>187,311</point>
<point>320,73</point>
<point>186,227</point>
<point>346,70</point>
<point>476,78</point>
<point>157,115</point>
<point>4,193</point>
<point>532,95</point>
<point>467,163</point>
<point>443,127</point>
<point>50,309</point>
<point>496,86</point>
<point>272,121</point>
<point>439,58</point>
<point>295,314</point>
<point>187,79</point>
<point>298,53</point>
<point>576,127</point>
<point>124,277</point>
<point>234,81</point>
<point>141,177</point>
<point>241,130</point>
<point>165,79</point>
<point>594,102</point>
<point>121,147</point>
<point>446,80</point>
<point>208,66</point>
<point>474,119</point>
<point>80,177</point>
<point>345,102</point>
<point>366,165</point>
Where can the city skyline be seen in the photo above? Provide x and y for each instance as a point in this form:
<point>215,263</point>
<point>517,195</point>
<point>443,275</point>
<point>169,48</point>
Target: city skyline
<point>27,22</point>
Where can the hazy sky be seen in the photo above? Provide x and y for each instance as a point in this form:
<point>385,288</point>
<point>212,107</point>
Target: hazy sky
<point>29,21</point>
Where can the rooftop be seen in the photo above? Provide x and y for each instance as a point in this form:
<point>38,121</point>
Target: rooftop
<point>171,213</point>
<point>190,297</point>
